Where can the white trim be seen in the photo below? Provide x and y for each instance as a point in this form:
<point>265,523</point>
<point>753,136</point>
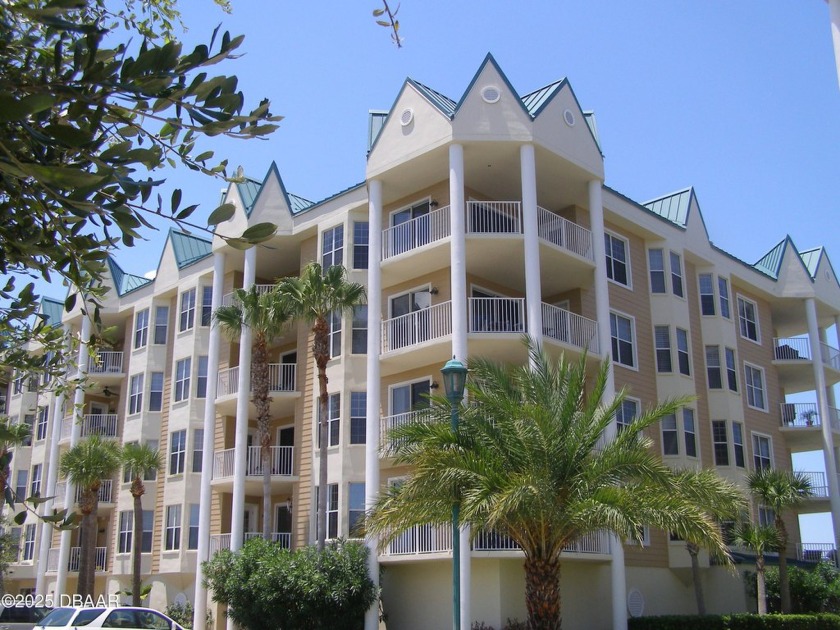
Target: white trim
<point>739,297</point>
<point>635,341</point>
<point>626,240</point>
<point>753,435</point>
<point>763,387</point>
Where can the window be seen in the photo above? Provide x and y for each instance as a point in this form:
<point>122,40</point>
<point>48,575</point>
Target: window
<point>621,332</point>
<point>148,527</point>
<point>360,244</point>
<point>754,378</point>
<point>723,295</point>
<point>670,438</point>
<point>201,378</point>
<point>766,516</point>
<point>192,532</point>
<point>141,329</point>
<point>713,367</point>
<point>186,319</point>
<point>656,261</point>
<point>358,417</point>
<point>41,426</point>
<point>689,433</point>
<point>707,294</point>
<point>177,451</point>
<point>135,394</point>
<point>738,444</point>
<point>198,450</point>
<point>747,319</point>
<point>172,538</point>
<point>29,543</point>
<point>682,352</point>
<point>762,450</point>
<point>182,379</point>
<point>731,378</point>
<point>676,275</point>
<point>332,508</point>
<point>720,443</point>
<point>35,485</point>
<point>334,321</point>
<point>161,324</point>
<point>14,544</point>
<point>662,339</point>
<point>332,247</point>
<point>126,530</point>
<point>355,509</point>
<point>156,392</point>
<point>206,305</point>
<point>359,332</point>
<point>617,260</point>
<point>22,482</point>
<point>628,410</point>
<point>333,419</point>
<point>29,421</point>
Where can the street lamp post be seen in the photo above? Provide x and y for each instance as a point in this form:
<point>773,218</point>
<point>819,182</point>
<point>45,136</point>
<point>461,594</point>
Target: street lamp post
<point>454,381</point>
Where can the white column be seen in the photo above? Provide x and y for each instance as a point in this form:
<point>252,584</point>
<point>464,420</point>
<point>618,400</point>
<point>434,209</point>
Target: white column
<point>52,477</point>
<point>834,12</point>
<point>602,313</point>
<point>78,418</point>
<point>533,284</point>
<point>373,415</point>
<point>205,497</point>
<point>822,405</point>
<point>458,283</point>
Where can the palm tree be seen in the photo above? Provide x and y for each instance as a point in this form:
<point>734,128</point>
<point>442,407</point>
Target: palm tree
<point>313,297</point>
<point>759,539</point>
<point>780,490</point>
<point>529,461</point>
<point>11,435</point>
<point>138,460</point>
<point>267,316</point>
<point>85,465</point>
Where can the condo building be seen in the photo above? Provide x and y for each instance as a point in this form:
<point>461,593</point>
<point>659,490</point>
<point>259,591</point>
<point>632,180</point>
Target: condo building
<point>480,220</point>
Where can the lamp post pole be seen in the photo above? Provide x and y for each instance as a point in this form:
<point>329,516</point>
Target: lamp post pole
<point>454,381</point>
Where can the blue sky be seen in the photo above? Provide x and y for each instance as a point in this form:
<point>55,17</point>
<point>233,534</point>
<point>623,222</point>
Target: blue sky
<point>739,100</point>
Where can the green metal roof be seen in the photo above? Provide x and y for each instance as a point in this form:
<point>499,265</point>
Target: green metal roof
<point>771,262</point>
<point>589,117</point>
<point>442,102</point>
<point>535,101</point>
<point>189,249</point>
<point>298,204</point>
<point>376,120</point>
<point>811,259</point>
<point>124,282</point>
<point>673,207</point>
<point>52,310</point>
<point>248,191</point>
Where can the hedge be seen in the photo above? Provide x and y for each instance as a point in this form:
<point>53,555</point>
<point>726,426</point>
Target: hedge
<point>737,622</point>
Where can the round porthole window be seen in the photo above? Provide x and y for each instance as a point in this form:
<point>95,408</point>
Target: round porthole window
<point>491,94</point>
<point>406,117</point>
<point>569,117</point>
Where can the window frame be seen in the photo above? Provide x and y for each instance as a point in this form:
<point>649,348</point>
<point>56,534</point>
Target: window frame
<point>615,340</point>
<point>683,353</point>
<point>135,393</point>
<point>201,375</point>
<point>141,329</point>
<point>664,358</point>
<point>334,326</point>
<point>677,277</point>
<point>334,252</point>
<point>155,395</point>
<point>720,447</point>
<point>355,512</point>
<point>757,438</point>
<point>731,369</point>
<point>172,528</point>
<point>186,310</point>
<point>657,275</point>
<point>193,526</point>
<point>724,299</point>
<point>738,444</point>
<point>692,446</point>
<point>358,417</point>
<point>621,420</point>
<point>181,384</point>
<point>125,531</point>
<point>42,419</point>
<point>206,305</point>
<point>361,250</point>
<point>743,319</point>
<point>358,333</point>
<point>712,369</point>
<point>36,479</point>
<point>751,388</point>
<point>707,298</point>
<point>197,463</point>
<point>161,327</point>
<point>611,261</point>
<point>333,423</point>
<point>177,452</point>
<point>27,553</point>
<point>668,442</point>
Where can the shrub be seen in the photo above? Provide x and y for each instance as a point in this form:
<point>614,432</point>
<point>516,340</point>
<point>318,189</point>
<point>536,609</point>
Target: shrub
<point>737,622</point>
<point>183,614</point>
<point>267,587</point>
<point>812,590</point>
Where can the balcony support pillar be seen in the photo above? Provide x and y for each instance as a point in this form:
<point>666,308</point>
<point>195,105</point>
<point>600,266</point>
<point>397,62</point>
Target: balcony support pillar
<point>533,284</point>
<point>602,311</point>
<point>823,407</point>
<point>372,413</point>
<point>203,553</point>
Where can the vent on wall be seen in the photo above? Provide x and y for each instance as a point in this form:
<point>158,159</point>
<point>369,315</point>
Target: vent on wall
<point>635,603</point>
<point>569,117</point>
<point>406,117</point>
<point>491,94</point>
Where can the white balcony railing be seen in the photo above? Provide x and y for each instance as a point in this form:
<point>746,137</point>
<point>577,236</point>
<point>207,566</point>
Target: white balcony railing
<point>282,462</point>
<point>101,424</point>
<point>281,378</point>
<point>570,328</point>
<point>800,415</point>
<point>494,217</point>
<point>564,233</point>
<point>415,233</point>
<point>594,542</point>
<point>106,362</point>
<point>219,542</point>
<point>421,539</point>
<point>105,491</point>
<point>389,423</point>
<point>816,552</point>
<point>497,315</point>
<point>830,356</point>
<point>418,327</point>
<point>791,349</point>
<point>75,556</point>
<point>227,298</point>
<point>819,486</point>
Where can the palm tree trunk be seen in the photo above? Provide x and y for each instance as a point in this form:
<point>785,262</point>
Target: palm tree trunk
<point>542,593</point>
<point>784,580</point>
<point>136,543</point>
<point>87,551</point>
<point>262,401</point>
<point>321,351</point>
<point>759,579</point>
<point>693,550</point>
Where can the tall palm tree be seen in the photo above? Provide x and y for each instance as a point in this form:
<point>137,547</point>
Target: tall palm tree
<point>313,297</point>
<point>85,465</point>
<point>528,461</point>
<point>138,460</point>
<point>267,316</point>
<point>780,490</point>
<point>759,539</point>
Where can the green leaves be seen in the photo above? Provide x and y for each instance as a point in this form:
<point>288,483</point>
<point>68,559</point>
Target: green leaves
<point>14,109</point>
<point>221,214</point>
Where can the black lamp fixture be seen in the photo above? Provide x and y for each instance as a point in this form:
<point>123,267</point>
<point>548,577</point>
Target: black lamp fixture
<point>433,203</point>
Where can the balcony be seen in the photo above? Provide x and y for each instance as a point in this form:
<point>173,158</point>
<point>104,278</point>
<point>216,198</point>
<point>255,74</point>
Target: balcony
<point>227,298</point>
<point>818,501</point>
<point>792,358</point>
<point>416,233</point>
<point>107,367</point>
<point>425,333</point>
<point>281,462</point>
<point>593,543</point>
<point>75,555</point>
<point>220,542</point>
<point>817,552</point>
<point>570,329</point>
<point>101,424</point>
<point>282,379</point>
<point>801,425</point>
<point>106,492</point>
<point>389,423</point>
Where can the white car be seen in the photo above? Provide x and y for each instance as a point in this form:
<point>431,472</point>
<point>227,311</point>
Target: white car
<point>126,617</point>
